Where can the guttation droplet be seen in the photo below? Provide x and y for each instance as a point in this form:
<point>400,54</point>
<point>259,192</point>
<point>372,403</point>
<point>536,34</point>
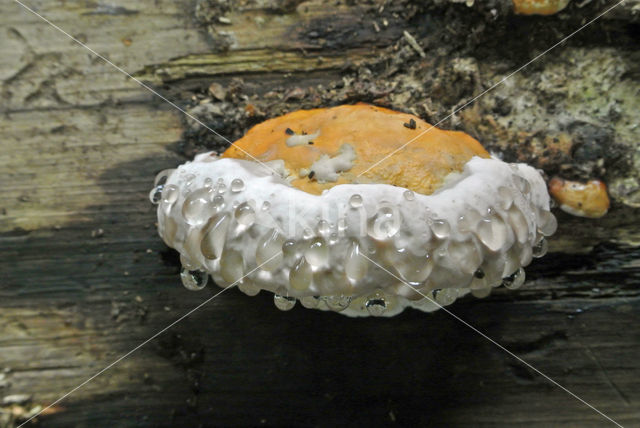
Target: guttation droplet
<point>515,280</point>
<point>231,266</point>
<point>548,223</point>
<point>300,275</point>
<point>338,303</point>
<point>493,232</point>
<point>248,288</point>
<point>237,185</point>
<point>318,252</point>
<point>445,296</point>
<point>310,302</point>
<point>170,194</point>
<point>215,235</point>
<point>323,227</point>
<point>540,249</point>
<point>441,228</point>
<point>409,195</point>
<point>356,266</point>
<point>355,201</point>
<point>245,214</point>
<point>218,202</point>
<point>269,251</point>
<point>162,177</point>
<point>376,305</point>
<point>155,195</point>
<point>193,279</point>
<point>195,209</point>
<point>284,303</point>
<point>385,223</point>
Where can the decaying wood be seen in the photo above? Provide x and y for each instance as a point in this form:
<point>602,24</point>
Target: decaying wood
<point>85,279</point>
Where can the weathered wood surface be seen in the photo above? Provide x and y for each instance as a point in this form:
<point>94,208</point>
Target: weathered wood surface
<point>84,277</point>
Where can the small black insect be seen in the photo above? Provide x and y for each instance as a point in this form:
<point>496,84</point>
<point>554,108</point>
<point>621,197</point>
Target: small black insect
<point>311,174</point>
<point>289,131</point>
<point>411,124</point>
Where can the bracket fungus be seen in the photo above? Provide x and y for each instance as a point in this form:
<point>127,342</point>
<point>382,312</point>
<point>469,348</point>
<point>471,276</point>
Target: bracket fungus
<point>308,206</point>
<point>539,7</point>
<point>588,199</point>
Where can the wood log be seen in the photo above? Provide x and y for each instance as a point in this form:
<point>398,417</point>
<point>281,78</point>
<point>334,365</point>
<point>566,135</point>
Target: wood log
<point>85,279</point>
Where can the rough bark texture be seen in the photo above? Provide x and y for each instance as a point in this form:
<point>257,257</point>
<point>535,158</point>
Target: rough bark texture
<point>85,279</point>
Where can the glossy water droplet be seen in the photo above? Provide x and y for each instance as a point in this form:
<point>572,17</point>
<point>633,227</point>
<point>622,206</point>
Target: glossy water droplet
<point>411,268</point>
<point>237,185</point>
<point>284,303</point>
<point>197,206</point>
<point>301,275</point>
<point>188,183</point>
<point>221,187</point>
<point>245,214</point>
<point>342,224</point>
<point>323,227</point>
<point>493,232</point>
<point>170,194</point>
<point>155,195</point>
<point>307,233</point>
<point>548,223</point>
<point>333,238</point>
<point>269,251</point>
<point>215,234</point>
<point>338,303</point>
<point>518,224</point>
<point>356,266</point>
<point>208,182</point>
<point>481,293</point>
<point>376,305</point>
<point>194,279</point>
<point>409,195</point>
<point>162,177</point>
<point>310,302</point>
<point>355,201</point>
<point>317,253</point>
<point>385,224</point>
<point>441,228</point>
<point>170,230</point>
<point>526,253</point>
<point>445,297</point>
<point>266,205</point>
<point>515,280</point>
<point>231,266</point>
<point>540,249</point>
<point>218,202</point>
<point>248,287</point>
<point>289,248</point>
<point>512,261</point>
<point>187,263</point>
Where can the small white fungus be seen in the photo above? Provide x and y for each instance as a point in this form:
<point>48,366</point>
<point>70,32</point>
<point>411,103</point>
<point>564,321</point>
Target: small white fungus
<point>335,251</point>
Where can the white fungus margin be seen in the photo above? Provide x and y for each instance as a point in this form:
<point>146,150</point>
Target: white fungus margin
<point>237,220</point>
